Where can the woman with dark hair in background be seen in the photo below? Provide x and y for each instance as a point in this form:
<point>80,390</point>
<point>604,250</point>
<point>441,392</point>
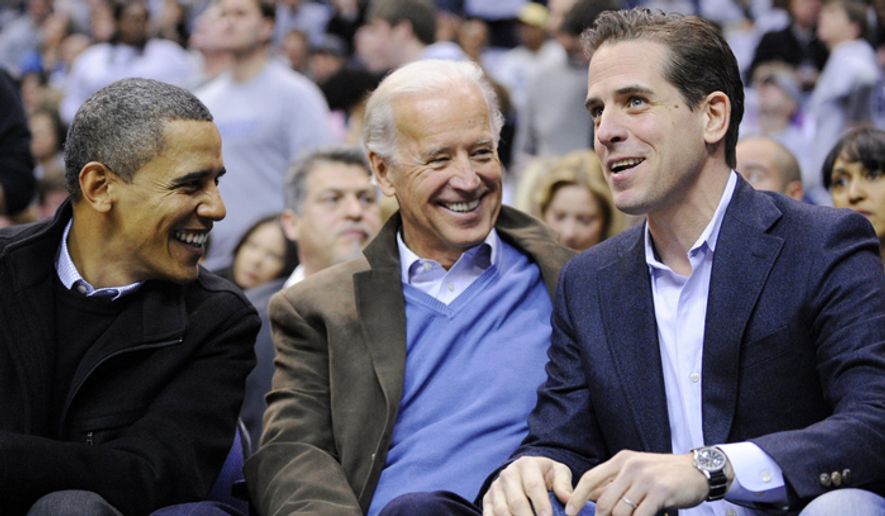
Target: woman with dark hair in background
<point>263,254</point>
<point>854,173</point>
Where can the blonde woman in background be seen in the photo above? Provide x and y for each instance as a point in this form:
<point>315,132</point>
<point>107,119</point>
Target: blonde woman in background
<point>573,198</point>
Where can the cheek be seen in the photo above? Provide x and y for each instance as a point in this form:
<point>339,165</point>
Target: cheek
<point>840,199</point>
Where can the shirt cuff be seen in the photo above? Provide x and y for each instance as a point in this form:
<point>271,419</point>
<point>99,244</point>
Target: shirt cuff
<point>757,478</point>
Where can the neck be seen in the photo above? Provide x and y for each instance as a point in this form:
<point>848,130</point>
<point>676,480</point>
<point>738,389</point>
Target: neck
<point>87,245</point>
<point>676,228</point>
<point>215,62</point>
<point>249,64</point>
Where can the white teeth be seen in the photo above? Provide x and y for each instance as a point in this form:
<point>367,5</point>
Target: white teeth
<point>625,163</point>
<point>194,239</point>
<point>462,207</point>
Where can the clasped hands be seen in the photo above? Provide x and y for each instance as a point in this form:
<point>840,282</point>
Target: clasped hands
<point>629,483</point>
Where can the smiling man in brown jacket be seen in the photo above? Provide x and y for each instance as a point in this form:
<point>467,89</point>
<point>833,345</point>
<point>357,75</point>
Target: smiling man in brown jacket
<point>414,367</point>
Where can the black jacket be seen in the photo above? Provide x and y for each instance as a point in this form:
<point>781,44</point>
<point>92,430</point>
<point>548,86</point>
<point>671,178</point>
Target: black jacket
<point>151,412</point>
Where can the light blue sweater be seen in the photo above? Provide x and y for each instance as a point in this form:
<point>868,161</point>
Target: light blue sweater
<point>472,372</point>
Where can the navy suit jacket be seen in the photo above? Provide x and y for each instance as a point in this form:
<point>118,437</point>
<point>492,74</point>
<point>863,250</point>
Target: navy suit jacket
<point>793,357</point>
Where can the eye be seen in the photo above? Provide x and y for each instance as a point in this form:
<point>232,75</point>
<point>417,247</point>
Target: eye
<point>483,154</point>
<point>595,112</point>
<point>839,182</point>
<point>367,198</point>
<point>873,175</point>
<point>635,101</point>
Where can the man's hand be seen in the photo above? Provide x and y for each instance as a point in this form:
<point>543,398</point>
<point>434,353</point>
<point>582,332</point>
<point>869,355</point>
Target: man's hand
<point>640,484</point>
<point>524,484</point>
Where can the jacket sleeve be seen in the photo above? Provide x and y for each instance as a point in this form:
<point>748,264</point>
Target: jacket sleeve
<point>847,312</point>
<point>173,451</point>
<point>297,470</point>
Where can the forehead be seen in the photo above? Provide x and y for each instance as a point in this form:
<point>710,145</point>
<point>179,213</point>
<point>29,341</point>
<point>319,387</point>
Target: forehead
<point>189,146</point>
<point>454,116</point>
<point>622,63</point>
<point>240,6</point>
<point>335,175</point>
<point>756,151</point>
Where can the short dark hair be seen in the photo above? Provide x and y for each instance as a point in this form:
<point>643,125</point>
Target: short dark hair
<point>295,188</point>
<point>122,126</point>
<point>865,145</point>
<point>268,9</point>
<point>421,14</point>
<point>700,61</point>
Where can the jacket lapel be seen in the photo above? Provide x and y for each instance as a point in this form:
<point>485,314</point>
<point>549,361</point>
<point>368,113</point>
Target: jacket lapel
<point>624,290</point>
<point>382,313</point>
<point>745,254</point>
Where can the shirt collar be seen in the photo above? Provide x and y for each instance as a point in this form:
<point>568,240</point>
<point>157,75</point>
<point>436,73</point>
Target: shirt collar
<point>72,280</point>
<point>710,234</point>
<point>482,255</point>
<point>296,276</point>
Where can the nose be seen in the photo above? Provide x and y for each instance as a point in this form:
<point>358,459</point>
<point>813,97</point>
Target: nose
<point>608,128</point>
<point>212,206</point>
<point>567,231</point>
<point>464,176</point>
<point>856,191</point>
<point>353,207</point>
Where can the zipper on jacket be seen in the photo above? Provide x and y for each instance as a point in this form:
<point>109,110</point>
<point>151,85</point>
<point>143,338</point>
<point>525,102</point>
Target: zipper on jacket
<point>89,438</point>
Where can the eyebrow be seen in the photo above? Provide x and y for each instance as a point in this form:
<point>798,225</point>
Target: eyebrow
<point>631,89</point>
<point>199,175</point>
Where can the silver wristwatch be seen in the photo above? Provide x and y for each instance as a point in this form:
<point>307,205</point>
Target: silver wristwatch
<point>711,462</point>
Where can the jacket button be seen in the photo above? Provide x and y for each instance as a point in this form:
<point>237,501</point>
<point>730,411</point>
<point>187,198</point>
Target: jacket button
<point>836,477</point>
<point>825,479</point>
<point>846,476</point>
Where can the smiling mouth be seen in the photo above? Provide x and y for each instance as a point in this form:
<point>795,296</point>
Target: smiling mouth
<point>462,207</point>
<point>191,238</point>
<point>624,164</point>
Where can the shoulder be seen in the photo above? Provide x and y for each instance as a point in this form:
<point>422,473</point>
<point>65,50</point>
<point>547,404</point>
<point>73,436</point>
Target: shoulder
<point>327,292</point>
<point>11,235</point>
<point>531,236</point>
<point>610,251</point>
<point>212,292</point>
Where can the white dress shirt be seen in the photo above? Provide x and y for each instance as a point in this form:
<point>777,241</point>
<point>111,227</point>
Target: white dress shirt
<point>680,311</point>
<point>443,285</point>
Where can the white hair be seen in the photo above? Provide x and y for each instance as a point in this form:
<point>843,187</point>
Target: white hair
<point>426,77</point>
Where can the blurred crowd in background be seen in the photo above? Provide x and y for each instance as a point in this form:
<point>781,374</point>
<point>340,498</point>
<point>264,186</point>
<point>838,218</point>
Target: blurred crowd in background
<point>286,78</point>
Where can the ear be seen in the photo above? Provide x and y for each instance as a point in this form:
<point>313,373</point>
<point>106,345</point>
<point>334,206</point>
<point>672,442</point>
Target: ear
<point>794,189</point>
<point>381,169</point>
<point>291,224</point>
<point>96,186</point>
<point>717,108</point>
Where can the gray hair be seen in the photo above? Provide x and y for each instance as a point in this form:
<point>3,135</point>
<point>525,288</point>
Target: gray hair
<point>295,189</point>
<point>426,77</point>
<point>122,126</point>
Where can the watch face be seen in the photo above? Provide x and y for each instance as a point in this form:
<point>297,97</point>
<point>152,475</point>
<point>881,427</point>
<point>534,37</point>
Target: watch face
<point>710,459</point>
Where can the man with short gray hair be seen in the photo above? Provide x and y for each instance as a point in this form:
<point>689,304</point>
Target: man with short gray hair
<point>121,360</point>
<point>413,367</point>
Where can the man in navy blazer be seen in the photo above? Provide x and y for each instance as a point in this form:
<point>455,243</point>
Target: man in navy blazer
<point>730,352</point>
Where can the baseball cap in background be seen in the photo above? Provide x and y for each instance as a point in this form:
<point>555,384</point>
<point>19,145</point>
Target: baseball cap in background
<point>533,14</point>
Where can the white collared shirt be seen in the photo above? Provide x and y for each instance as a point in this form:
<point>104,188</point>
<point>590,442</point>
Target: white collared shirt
<point>680,311</point>
<point>296,276</point>
<point>72,280</point>
<point>446,285</point>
